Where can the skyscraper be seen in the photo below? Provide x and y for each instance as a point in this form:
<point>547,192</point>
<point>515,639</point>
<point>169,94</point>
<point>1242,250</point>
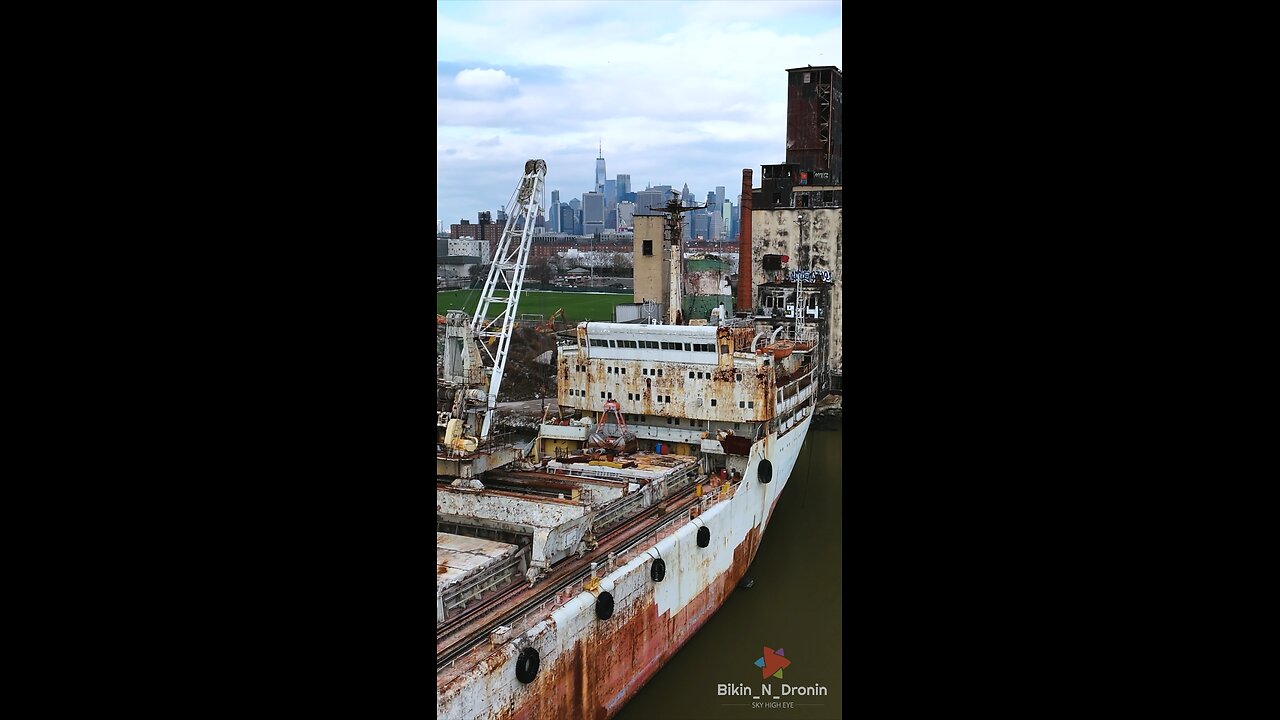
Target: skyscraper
<point>626,210</point>
<point>647,199</point>
<point>624,186</point>
<point>719,196</point>
<point>566,219</point>
<point>610,193</point>
<point>553,219</point>
<point>600,171</point>
<point>815,137</point>
<point>592,213</point>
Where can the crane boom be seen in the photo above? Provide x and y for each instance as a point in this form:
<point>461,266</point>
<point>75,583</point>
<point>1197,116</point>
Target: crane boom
<point>506,274</point>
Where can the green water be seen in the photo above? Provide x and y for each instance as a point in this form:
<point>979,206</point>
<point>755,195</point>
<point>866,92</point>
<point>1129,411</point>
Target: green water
<point>794,605</point>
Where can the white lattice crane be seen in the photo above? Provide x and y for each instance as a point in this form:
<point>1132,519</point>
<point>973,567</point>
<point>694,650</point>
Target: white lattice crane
<point>470,340</point>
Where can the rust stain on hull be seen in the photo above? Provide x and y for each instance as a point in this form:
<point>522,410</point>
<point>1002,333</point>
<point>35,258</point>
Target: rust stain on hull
<point>604,670</point>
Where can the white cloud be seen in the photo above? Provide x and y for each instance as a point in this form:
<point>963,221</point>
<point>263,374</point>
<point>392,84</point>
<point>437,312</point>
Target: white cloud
<point>679,92</point>
<point>485,82</point>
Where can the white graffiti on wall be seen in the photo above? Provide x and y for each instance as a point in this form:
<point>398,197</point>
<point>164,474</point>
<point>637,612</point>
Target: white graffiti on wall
<point>809,275</point>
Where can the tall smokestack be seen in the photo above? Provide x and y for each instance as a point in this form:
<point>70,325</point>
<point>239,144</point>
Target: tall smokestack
<point>745,301</point>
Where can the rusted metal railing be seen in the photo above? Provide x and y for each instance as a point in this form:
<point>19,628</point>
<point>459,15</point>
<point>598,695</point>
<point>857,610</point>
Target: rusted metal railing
<point>473,588</point>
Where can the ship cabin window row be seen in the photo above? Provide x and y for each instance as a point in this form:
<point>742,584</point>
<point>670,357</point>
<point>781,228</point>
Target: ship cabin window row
<point>713,402</point>
<point>651,371</point>
<point>673,421</point>
<point>616,370</point>
<point>654,345</point>
<point>747,404</point>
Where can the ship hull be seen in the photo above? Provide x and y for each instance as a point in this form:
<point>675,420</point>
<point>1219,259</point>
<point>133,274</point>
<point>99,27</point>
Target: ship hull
<point>589,668</point>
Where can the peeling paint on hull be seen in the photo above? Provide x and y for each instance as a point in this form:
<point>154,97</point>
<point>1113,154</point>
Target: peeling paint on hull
<point>590,667</point>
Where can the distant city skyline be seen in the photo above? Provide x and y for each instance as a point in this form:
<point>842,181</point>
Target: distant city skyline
<point>651,119</point>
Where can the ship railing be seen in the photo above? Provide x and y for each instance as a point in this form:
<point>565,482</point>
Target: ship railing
<point>628,505</point>
<point>591,474</point>
<point>494,442</point>
<point>457,596</point>
<point>634,549</point>
<point>617,511</point>
<point>646,541</point>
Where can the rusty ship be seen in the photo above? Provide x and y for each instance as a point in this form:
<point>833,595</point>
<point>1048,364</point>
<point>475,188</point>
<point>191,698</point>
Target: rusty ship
<point>570,568</point>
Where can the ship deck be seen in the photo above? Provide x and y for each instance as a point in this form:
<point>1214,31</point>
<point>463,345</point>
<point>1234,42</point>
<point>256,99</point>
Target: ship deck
<point>463,640</point>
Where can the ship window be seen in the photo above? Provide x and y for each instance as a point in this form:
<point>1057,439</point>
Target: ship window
<point>751,404</point>
<point>738,377</point>
<point>724,349</point>
<point>647,248</point>
<point>687,347</point>
<point>609,369</point>
<point>613,343</point>
<point>599,343</point>
<point>610,396</point>
<point>690,374</point>
<point>659,372</point>
<point>713,402</point>
<point>742,404</point>
<point>735,426</point>
<point>624,370</point>
<point>602,395</point>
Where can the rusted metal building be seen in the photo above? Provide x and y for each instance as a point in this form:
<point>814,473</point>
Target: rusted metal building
<point>805,223</point>
<point>815,140</point>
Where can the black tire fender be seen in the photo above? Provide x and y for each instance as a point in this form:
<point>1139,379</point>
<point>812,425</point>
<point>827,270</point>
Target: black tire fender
<point>527,665</point>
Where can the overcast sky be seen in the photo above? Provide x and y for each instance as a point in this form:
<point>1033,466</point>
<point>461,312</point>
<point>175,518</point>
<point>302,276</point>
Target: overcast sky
<point>677,92</point>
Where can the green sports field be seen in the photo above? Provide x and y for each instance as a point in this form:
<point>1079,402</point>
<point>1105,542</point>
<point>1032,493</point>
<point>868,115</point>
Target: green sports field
<point>577,306</point>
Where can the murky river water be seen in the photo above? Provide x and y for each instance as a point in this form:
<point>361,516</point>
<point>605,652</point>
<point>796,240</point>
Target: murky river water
<point>793,606</point>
